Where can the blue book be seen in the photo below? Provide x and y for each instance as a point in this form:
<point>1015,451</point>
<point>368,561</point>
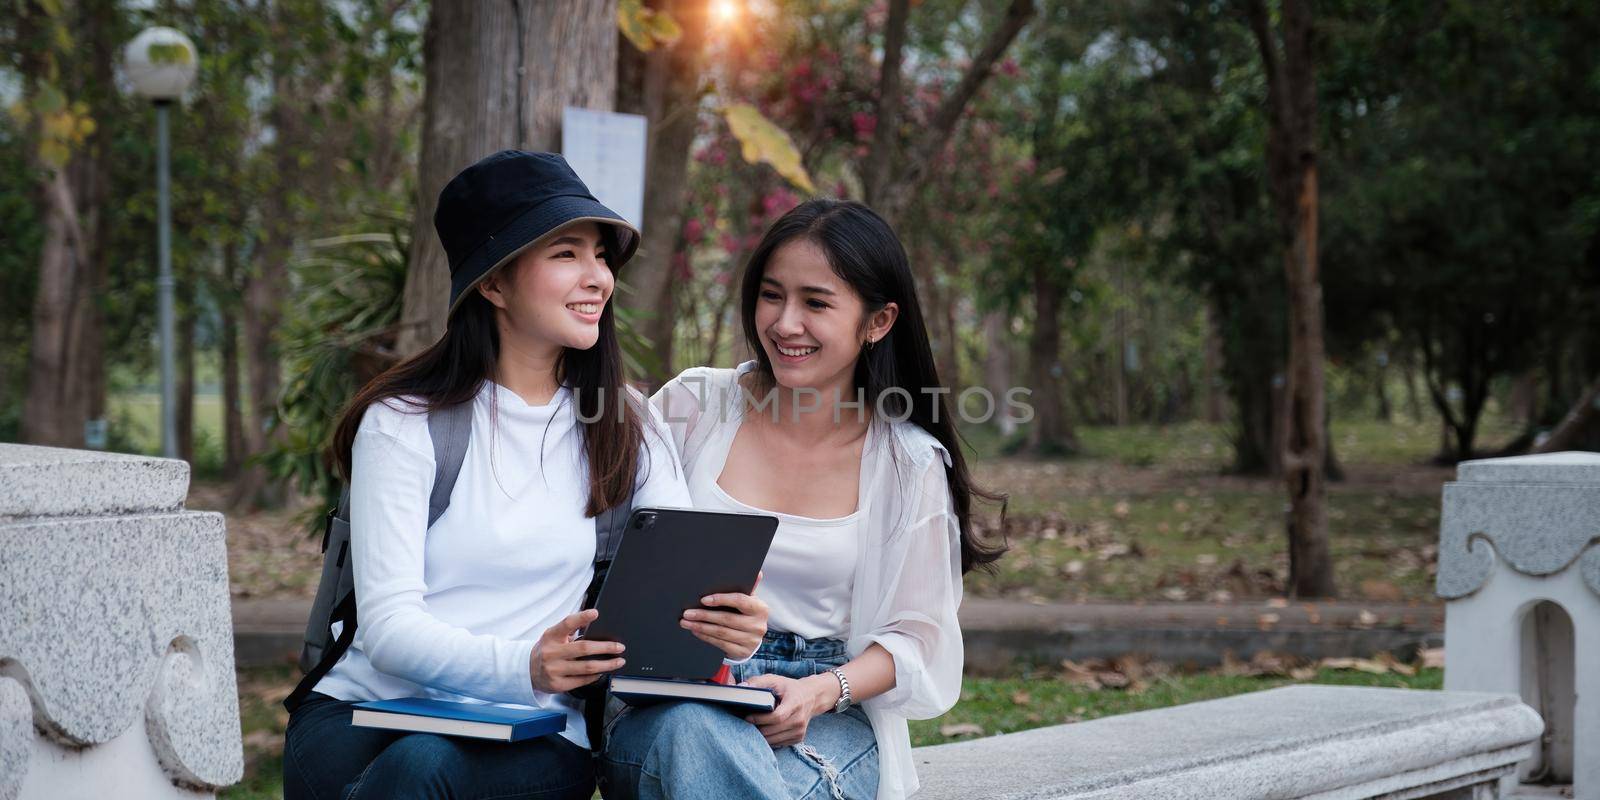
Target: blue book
<point>477,720</point>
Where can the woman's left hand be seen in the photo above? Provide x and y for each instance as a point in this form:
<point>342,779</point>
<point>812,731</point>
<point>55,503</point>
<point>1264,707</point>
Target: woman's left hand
<point>798,702</point>
<point>736,633</point>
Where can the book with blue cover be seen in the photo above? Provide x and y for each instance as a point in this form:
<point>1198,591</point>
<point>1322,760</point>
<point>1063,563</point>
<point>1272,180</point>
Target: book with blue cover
<point>450,718</point>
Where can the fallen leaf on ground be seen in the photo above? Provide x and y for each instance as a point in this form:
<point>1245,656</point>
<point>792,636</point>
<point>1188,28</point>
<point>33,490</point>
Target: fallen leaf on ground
<point>1431,658</point>
<point>1369,665</point>
<point>961,729</point>
<point>1395,665</point>
<point>1078,675</point>
<point>1381,591</point>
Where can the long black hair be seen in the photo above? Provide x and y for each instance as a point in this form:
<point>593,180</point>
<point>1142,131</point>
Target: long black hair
<point>454,368</point>
<point>864,252</point>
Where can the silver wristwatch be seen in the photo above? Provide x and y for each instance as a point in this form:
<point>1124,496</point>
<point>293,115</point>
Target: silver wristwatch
<point>844,691</point>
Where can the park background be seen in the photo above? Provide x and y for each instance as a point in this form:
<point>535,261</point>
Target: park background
<point>1269,271</point>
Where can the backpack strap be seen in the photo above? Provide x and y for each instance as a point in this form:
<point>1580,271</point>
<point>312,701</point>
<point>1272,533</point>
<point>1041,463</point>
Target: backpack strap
<point>609,528</point>
<point>451,430</point>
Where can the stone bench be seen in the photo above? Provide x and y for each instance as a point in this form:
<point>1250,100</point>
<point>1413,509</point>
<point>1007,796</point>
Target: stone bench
<point>116,645</point>
<point>1324,742</point>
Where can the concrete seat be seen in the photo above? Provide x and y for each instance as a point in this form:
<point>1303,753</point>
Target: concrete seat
<point>1324,742</point>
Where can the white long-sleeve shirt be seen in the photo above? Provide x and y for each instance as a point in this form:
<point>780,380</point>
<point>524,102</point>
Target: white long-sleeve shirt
<point>453,611</point>
<point>906,579</point>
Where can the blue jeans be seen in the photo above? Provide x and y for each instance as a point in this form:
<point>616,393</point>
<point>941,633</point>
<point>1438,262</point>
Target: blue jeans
<point>691,750</point>
<point>327,758</point>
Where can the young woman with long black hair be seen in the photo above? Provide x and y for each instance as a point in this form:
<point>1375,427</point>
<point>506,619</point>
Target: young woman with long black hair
<point>483,604</point>
<point>841,429</point>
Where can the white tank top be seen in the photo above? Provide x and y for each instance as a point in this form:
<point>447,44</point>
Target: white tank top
<point>806,580</point>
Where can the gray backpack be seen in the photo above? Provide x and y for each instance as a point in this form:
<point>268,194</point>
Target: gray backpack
<point>451,430</point>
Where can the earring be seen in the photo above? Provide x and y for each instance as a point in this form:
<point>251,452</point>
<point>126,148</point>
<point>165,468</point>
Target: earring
<point>870,343</point>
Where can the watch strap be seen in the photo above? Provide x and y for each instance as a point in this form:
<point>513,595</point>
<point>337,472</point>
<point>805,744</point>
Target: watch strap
<point>844,691</point>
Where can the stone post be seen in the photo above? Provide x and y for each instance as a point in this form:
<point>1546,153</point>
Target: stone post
<point>1519,567</point>
<point>116,643</point>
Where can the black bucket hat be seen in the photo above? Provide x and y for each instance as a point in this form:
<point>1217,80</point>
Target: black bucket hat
<point>508,202</point>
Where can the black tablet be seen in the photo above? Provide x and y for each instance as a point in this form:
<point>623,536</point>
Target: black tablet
<point>669,559</point>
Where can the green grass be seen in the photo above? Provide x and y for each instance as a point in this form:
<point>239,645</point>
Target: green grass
<point>134,421</point>
<point>1188,446</point>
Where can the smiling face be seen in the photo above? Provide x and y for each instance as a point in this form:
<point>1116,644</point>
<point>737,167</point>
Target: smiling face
<point>811,322</point>
<point>554,294</point>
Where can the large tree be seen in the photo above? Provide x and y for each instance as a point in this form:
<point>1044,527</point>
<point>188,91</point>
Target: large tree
<point>898,163</point>
<point>662,84</point>
<point>498,73</point>
<point>1467,208</point>
<point>70,162</point>
<point>1286,60</point>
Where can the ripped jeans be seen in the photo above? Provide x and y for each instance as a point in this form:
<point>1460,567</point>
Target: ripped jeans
<point>681,750</point>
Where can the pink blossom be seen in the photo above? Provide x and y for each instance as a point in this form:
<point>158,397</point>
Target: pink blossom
<point>777,202</point>
<point>865,124</point>
<point>693,231</point>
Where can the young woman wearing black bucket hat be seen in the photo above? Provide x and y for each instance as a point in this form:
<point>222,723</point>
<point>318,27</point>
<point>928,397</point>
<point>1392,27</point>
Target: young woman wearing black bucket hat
<point>483,603</point>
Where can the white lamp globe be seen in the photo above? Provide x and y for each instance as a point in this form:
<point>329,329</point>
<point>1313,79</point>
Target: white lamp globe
<point>160,63</point>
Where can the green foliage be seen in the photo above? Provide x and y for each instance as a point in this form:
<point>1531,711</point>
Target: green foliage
<point>336,335</point>
<point>23,235</point>
<point>1462,185</point>
<point>647,28</point>
<point>762,141</point>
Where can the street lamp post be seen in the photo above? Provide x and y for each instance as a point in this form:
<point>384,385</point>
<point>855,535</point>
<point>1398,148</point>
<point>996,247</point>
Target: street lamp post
<point>161,63</point>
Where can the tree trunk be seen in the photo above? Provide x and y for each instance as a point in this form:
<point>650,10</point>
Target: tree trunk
<point>937,310</point>
<point>100,21</point>
<point>1292,168</point>
<point>1408,375</point>
<point>1258,419</point>
<point>1380,380</point>
<point>997,375</point>
<point>498,73</point>
<point>233,442</point>
<point>891,194</point>
<point>185,377</point>
<point>266,284</point>
<point>65,373</point>
<point>1523,405</point>
<point>948,332</point>
<point>1119,356</point>
<point>1050,433</point>
<point>1581,420</point>
<point>1211,372</point>
<point>876,172</point>
<point>668,97</point>
<point>56,407</point>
